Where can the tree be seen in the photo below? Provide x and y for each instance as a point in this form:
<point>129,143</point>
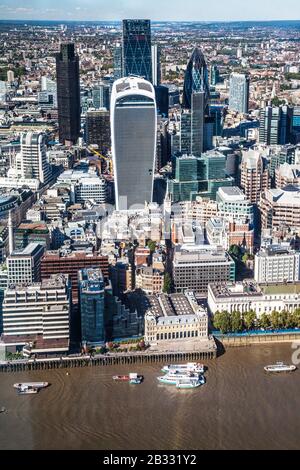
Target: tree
<point>290,320</point>
<point>264,321</point>
<point>167,287</point>
<point>236,322</point>
<point>151,245</point>
<point>222,321</point>
<point>250,320</point>
<point>276,320</point>
<point>235,251</point>
<point>296,317</point>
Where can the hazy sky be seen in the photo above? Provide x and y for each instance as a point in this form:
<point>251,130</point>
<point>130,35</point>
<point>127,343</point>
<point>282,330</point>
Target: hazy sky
<point>202,10</point>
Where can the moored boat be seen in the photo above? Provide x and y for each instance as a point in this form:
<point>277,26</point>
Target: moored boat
<point>188,367</point>
<point>173,378</point>
<point>132,378</point>
<point>280,367</point>
<point>27,390</point>
<point>190,383</point>
<point>36,385</point>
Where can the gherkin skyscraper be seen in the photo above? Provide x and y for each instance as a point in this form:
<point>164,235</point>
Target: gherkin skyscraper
<point>196,79</point>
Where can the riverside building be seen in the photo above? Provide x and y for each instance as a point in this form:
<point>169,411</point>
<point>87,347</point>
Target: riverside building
<point>175,321</point>
<point>277,263</point>
<point>38,315</point>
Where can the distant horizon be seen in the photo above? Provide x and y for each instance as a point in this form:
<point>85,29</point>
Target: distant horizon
<point>27,20</point>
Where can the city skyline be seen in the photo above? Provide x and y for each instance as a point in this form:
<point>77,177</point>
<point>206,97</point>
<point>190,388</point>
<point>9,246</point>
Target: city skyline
<point>96,10</point>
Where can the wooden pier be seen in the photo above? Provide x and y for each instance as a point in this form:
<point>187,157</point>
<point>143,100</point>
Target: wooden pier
<point>105,360</point>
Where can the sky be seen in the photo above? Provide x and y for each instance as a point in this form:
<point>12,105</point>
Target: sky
<point>178,10</point>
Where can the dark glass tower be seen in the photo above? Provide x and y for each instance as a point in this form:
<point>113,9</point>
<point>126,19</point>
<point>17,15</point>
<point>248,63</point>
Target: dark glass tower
<point>68,94</point>
<point>196,79</point>
<point>137,58</point>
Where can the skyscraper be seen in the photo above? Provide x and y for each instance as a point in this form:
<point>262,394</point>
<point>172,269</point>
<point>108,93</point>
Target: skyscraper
<point>276,125</point>
<point>118,62</point>
<point>137,58</point>
<point>133,131</point>
<point>101,96</point>
<point>196,79</point>
<point>156,71</point>
<point>197,135</point>
<point>239,92</point>
<point>68,94</point>
<point>98,129</point>
<point>32,161</point>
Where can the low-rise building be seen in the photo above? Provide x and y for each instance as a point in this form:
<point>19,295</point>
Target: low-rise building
<point>277,263</point>
<point>175,321</point>
<point>246,296</point>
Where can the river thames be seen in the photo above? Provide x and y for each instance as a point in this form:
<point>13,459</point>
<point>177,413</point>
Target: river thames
<point>240,407</point>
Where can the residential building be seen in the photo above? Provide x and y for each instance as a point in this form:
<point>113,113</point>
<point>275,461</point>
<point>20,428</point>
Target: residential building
<point>239,92</point>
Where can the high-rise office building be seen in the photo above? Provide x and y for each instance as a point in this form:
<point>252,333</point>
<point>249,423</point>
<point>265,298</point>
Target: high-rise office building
<point>162,100</point>
<point>118,62</point>
<point>254,175</point>
<point>92,305</point>
<point>98,129</point>
<point>68,94</point>
<point>196,79</point>
<point>156,70</point>
<point>197,123</point>
<point>133,131</point>
<point>214,75</point>
<point>239,92</point>
<point>101,96</point>
<point>32,162</point>
<point>137,58</point>
<point>276,125</point>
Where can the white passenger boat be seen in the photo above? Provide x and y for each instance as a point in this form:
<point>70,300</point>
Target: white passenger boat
<point>189,383</point>
<point>37,385</point>
<point>280,367</point>
<point>173,378</point>
<point>189,367</point>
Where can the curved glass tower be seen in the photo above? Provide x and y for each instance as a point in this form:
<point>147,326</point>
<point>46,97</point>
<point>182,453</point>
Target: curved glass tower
<point>133,132</point>
<point>196,79</point>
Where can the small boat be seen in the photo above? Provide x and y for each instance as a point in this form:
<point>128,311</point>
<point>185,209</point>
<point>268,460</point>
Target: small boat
<point>189,367</point>
<point>37,385</point>
<point>174,378</point>
<point>135,379</point>
<point>121,378</point>
<point>280,367</point>
<point>2,409</point>
<point>190,383</point>
<point>27,390</point>
<point>132,378</point>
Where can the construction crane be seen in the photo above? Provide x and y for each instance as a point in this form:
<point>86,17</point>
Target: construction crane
<point>102,157</point>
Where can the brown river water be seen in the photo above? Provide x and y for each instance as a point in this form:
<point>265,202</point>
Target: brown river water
<point>240,407</point>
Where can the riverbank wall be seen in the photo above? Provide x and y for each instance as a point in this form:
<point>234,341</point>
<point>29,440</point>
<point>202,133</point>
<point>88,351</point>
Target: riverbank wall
<point>106,360</point>
<point>249,340</point>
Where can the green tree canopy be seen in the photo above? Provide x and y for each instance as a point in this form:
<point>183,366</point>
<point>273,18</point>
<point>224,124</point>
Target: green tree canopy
<point>167,287</point>
<point>222,322</point>
<point>250,320</point>
<point>236,322</point>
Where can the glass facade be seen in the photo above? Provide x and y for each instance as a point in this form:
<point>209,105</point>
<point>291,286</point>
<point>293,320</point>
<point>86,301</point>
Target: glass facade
<point>137,57</point>
<point>92,305</point>
<point>196,79</point>
<point>68,93</point>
